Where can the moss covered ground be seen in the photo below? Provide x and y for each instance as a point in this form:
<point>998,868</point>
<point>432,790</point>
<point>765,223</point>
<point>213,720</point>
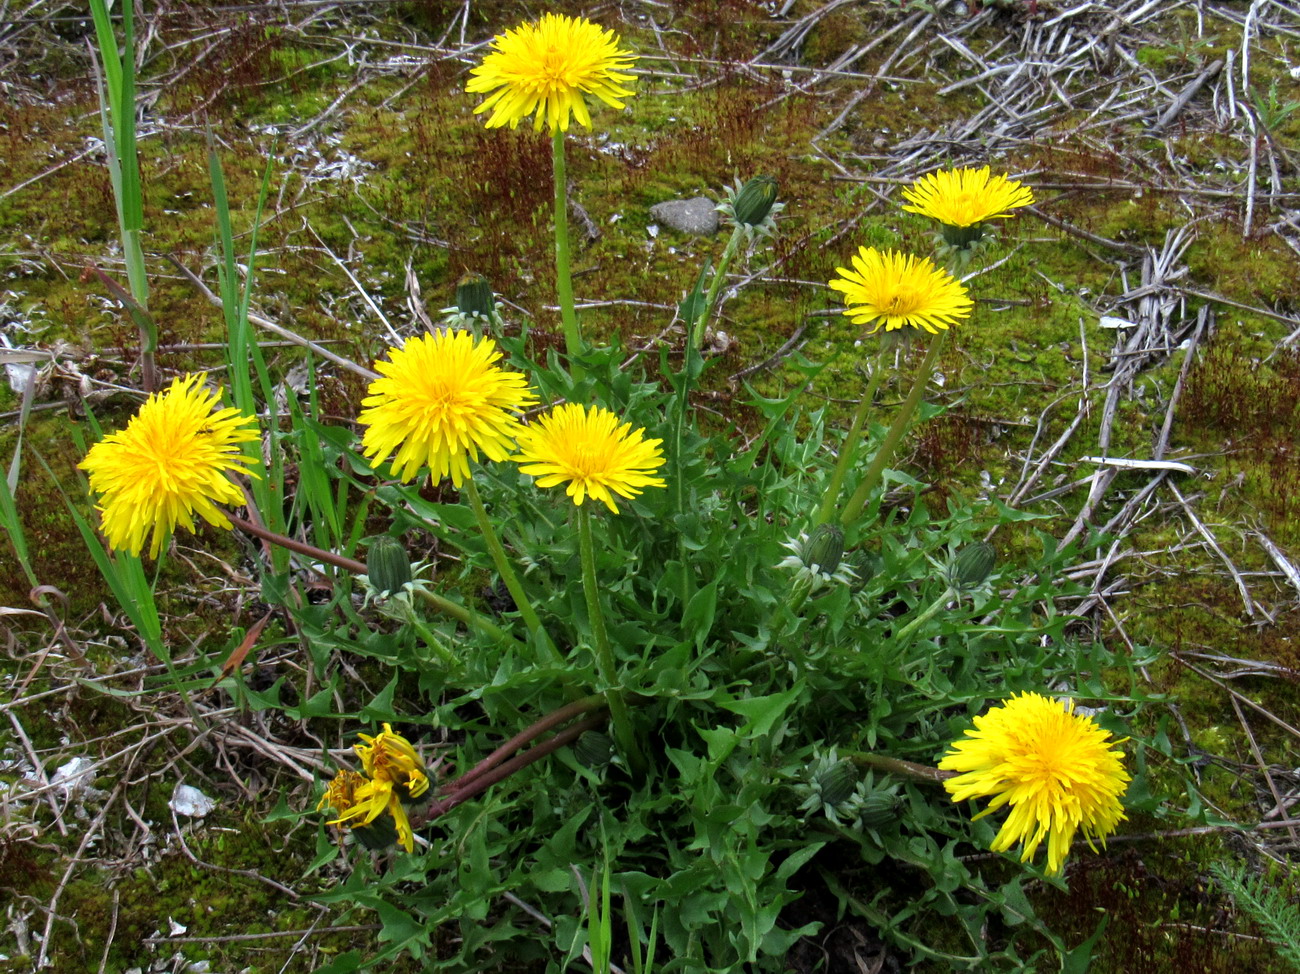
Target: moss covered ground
<point>380,167</point>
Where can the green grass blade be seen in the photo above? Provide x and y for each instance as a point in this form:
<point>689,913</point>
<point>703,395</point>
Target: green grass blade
<point>242,348</point>
<point>117,115</point>
<point>227,287</point>
<point>14,529</point>
<point>124,128</point>
<point>107,41</point>
<point>313,483</point>
<point>126,580</point>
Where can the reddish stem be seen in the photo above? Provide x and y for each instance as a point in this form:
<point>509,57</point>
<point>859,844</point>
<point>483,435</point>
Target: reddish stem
<point>329,557</point>
<point>464,792</point>
<point>529,733</point>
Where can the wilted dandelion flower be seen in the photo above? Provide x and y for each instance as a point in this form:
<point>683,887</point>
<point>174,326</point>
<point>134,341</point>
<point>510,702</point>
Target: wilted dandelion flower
<point>359,803</point>
<point>441,400</point>
<point>590,451</point>
<point>545,68</point>
<point>965,197</point>
<point>390,757</point>
<point>894,289</point>
<point>1058,771</point>
<point>341,793</point>
<point>169,464</point>
<point>395,772</point>
<point>370,800</point>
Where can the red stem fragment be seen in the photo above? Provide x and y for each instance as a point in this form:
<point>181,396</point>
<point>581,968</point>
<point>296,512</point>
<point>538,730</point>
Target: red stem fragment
<point>462,792</point>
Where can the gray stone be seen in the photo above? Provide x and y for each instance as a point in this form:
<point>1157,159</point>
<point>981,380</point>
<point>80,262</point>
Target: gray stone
<point>695,216</point>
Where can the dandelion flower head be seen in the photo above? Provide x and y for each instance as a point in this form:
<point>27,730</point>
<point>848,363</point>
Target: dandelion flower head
<point>341,793</point>
<point>366,800</point>
<point>395,772</point>
<point>965,197</point>
<point>590,451</point>
<point>169,464</point>
<point>545,68</point>
<point>894,289</point>
<point>389,756</point>
<point>1058,770</point>
<point>440,400</point>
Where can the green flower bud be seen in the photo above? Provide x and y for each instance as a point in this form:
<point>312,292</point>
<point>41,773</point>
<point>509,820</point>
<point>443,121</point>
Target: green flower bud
<point>879,808</point>
<point>594,750</point>
<point>754,201</point>
<point>972,566</point>
<point>474,297</point>
<point>836,784</point>
<point>864,566</point>
<point>387,565</point>
<point>824,549</point>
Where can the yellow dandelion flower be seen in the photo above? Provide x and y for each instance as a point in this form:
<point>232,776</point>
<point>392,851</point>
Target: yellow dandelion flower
<point>965,197</point>
<point>1058,770</point>
<point>544,69</point>
<point>591,452</point>
<point>389,756</point>
<point>169,464</point>
<point>440,401</point>
<point>894,289</point>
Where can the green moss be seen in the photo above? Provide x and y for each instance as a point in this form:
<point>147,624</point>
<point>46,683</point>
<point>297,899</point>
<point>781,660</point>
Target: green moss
<point>1254,270</point>
<point>437,190</point>
<point>1169,881</point>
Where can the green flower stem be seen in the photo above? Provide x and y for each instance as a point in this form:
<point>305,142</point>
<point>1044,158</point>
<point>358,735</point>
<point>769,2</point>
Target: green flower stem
<point>925,616</point>
<point>507,573</point>
<point>461,614</point>
<point>694,340</point>
<point>697,326</point>
<point>678,478</point>
<point>853,509</point>
<point>849,449</point>
<point>906,769</point>
<point>881,919</point>
<point>605,662</point>
<point>563,275</point>
<point>690,366</point>
<point>434,643</point>
<point>467,617</point>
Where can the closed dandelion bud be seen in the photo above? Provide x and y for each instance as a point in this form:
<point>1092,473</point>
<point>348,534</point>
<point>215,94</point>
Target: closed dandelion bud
<point>594,750</point>
<point>387,565</point>
<point>825,549</point>
<point>972,566</point>
<point>754,201</point>
<point>864,566</point>
<point>878,808</point>
<point>816,561</point>
<point>837,783</point>
<point>474,297</point>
